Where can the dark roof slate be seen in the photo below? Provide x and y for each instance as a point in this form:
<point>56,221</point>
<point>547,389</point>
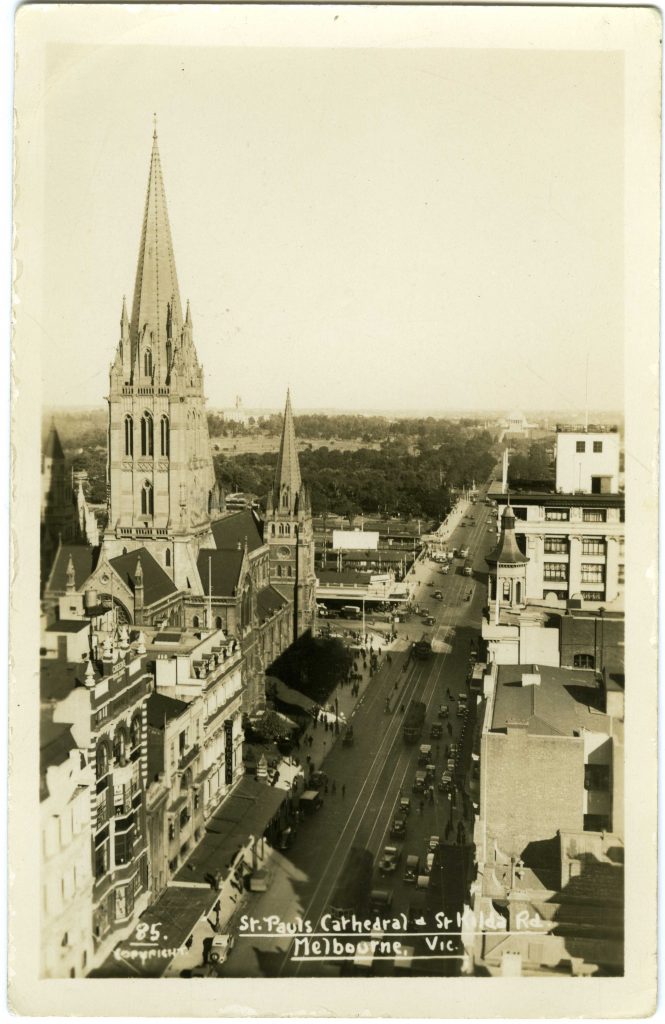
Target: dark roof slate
<point>269,601</point>
<point>163,709</point>
<point>219,571</point>
<point>83,559</point>
<point>156,582</point>
<point>231,530</point>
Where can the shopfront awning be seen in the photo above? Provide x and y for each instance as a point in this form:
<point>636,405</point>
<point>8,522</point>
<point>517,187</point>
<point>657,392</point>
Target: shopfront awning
<point>246,812</point>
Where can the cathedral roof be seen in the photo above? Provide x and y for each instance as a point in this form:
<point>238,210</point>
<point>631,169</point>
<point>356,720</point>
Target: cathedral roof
<point>157,584</point>
<point>83,559</point>
<point>220,571</point>
<point>231,530</point>
<point>288,467</point>
<point>52,447</point>
<point>269,600</point>
<point>156,279</point>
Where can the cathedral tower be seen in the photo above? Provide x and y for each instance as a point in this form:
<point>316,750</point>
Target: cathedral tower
<point>289,530</point>
<point>160,472</point>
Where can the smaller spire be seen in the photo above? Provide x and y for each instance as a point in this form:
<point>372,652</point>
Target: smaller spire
<point>71,576</point>
<point>139,572</point>
<point>188,316</point>
<point>154,126</point>
<point>124,318</point>
<point>89,674</point>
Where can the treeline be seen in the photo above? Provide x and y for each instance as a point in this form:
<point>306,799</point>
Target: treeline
<point>342,427</point>
<point>533,464</point>
<point>390,480</point>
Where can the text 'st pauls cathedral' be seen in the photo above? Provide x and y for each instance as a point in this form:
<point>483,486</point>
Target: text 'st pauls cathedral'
<point>171,555</point>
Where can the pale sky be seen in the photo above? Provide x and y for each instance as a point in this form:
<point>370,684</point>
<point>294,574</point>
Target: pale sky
<point>373,228</point>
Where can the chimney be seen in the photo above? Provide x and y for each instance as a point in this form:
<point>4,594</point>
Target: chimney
<point>531,678</point>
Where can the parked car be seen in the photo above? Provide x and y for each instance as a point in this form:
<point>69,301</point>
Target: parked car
<point>389,860</point>
<point>220,947</point>
<point>411,868</point>
<point>446,781</point>
<point>398,828</point>
<point>450,764</point>
<point>438,595</point>
<point>443,711</point>
<point>380,901</point>
<point>317,780</point>
<point>433,843</point>
<point>405,805</point>
<point>425,753</point>
<point>436,731</point>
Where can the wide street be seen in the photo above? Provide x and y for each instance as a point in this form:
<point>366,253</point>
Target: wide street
<point>370,777</point>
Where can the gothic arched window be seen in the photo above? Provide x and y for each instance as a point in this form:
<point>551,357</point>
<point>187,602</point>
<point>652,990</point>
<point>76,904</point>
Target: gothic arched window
<point>135,732</point>
<point>147,362</point>
<point>164,435</point>
<point>287,529</point>
<point>146,499</point>
<point>195,622</point>
<point>218,622</point>
<point>147,435</point>
<point>120,744</point>
<point>285,498</point>
<point>129,435</point>
<point>167,557</point>
<point>169,352</point>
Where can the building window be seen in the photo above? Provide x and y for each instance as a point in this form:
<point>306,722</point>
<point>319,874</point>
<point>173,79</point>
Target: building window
<point>287,529</point>
<point>147,504</point>
<point>592,595</point>
<point>171,830</point>
<point>120,745</point>
<point>120,908</point>
<point>592,573</point>
<point>147,435</point>
<point>557,515</point>
<point>593,546</point>
<point>279,570</point>
<point>129,435</point>
<point>218,622</point>
<point>102,760</point>
<point>101,860</point>
<point>584,661</point>
<point>597,447</point>
<point>594,515</point>
<point>167,557</point>
<point>555,571</point>
<point>147,362</point>
<point>135,731</point>
<point>556,546</point>
<point>195,622</point>
<point>164,435</point>
<point>580,446</point>
<point>597,776</point>
<point>621,572</point>
<point>124,845</point>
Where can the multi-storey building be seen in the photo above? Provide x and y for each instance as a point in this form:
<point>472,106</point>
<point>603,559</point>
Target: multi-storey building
<point>104,701</point>
<point>66,787</point>
<point>550,793</point>
<point>587,460</point>
<point>58,509</point>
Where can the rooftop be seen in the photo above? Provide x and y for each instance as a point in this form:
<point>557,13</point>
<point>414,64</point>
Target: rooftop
<point>157,584</point>
<point>68,626</point>
<point>162,709</point>
<point>232,529</point>
<point>562,703</point>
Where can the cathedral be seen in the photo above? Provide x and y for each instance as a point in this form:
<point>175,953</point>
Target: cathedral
<point>171,555</point>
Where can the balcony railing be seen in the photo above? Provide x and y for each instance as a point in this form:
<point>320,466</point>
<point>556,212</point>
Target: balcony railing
<point>186,759</point>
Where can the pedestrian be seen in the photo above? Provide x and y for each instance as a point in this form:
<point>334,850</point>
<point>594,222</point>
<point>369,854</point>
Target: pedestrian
<point>326,786</point>
<point>343,789</point>
<point>334,787</point>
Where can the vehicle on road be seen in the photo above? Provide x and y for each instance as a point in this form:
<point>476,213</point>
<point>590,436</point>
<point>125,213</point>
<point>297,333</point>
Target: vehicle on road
<point>419,782</point>
<point>412,868</point>
<point>436,732</point>
<point>446,781</point>
<point>423,648</point>
<point>454,749</point>
<point>310,801</point>
<point>405,805</point>
<point>445,570</point>
<point>429,620</point>
<point>413,721</point>
<point>398,828</point>
<point>443,711</point>
<point>438,595</point>
<point>389,860</point>
<point>286,838</point>
<point>430,772</point>
<point>354,883</point>
<point>464,553</point>
<point>433,844</point>
<point>220,947</point>
<point>350,611</point>
<point>380,901</point>
<point>317,780</point>
<point>467,568</point>
<point>476,680</point>
<point>429,863</point>
<point>259,880</point>
<point>364,958</point>
<point>425,753</point>
<point>450,764</point>
<point>348,737</point>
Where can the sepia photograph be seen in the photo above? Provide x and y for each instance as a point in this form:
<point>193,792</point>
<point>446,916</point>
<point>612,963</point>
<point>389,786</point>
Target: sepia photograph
<point>335,508</point>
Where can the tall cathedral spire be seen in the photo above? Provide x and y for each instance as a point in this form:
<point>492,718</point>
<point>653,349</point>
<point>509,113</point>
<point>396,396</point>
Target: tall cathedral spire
<point>287,474</point>
<point>156,310</point>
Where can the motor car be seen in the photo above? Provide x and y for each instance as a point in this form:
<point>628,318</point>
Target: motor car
<point>461,710</point>
<point>389,860</point>
<point>422,882</point>
<point>219,948</point>
<point>317,780</point>
<point>430,772</point>
<point>450,764</point>
<point>446,781</point>
<point>429,863</point>
<point>445,570</point>
<point>425,753</point>
<point>454,747</point>
<point>433,843</point>
<point>398,828</point>
<point>443,711</point>
<point>380,901</point>
<point>464,553</point>
<point>259,881</point>
<point>438,595</point>
<point>419,782</point>
<point>405,805</point>
<point>436,731</point>
<point>412,868</point>
<point>429,583</point>
<point>429,620</point>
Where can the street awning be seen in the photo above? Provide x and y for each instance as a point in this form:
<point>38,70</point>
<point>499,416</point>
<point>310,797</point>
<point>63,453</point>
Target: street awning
<point>246,812</point>
<point>163,928</point>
